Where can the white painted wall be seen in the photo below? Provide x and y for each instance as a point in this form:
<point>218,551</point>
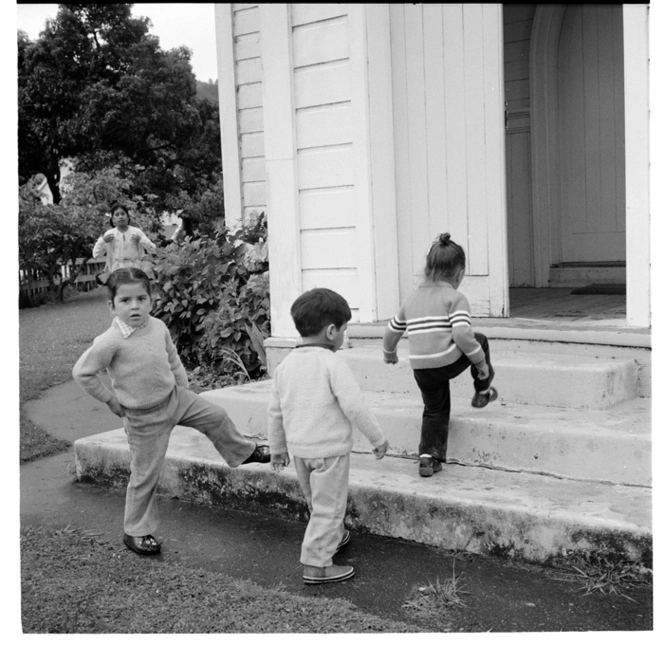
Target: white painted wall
<point>241,110</point>
<point>323,173</point>
<point>447,67</point>
<point>637,162</point>
<point>352,157</point>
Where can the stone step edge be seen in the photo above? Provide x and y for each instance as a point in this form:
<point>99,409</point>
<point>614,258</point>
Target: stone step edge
<point>587,333</point>
<point>555,380</point>
<point>497,412</point>
<point>516,437</point>
<point>473,509</point>
<point>513,358</point>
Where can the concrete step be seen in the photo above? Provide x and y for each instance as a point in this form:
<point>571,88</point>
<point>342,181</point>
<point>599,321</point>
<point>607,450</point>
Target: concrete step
<point>527,339</point>
<point>579,274</point>
<point>525,516</point>
<point>560,380</point>
<point>611,445</point>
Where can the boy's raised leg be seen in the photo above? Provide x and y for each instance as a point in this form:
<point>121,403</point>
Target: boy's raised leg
<point>212,420</point>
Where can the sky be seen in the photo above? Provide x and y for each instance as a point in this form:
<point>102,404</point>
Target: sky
<point>175,24</point>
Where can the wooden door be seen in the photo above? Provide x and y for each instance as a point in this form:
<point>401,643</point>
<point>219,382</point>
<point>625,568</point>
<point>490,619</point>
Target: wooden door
<point>592,134</point>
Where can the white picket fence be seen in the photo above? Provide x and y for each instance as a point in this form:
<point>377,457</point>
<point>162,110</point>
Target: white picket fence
<point>32,283</point>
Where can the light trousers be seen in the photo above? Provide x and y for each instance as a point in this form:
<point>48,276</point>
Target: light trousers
<point>148,433</point>
<point>324,482</point>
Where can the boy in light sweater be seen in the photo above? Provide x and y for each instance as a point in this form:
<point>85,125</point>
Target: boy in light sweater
<point>314,406</point>
<point>150,392</point>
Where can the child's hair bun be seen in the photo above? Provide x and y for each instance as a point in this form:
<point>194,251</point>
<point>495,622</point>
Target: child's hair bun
<point>444,239</point>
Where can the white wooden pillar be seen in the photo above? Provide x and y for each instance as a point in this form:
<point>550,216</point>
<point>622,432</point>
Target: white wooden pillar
<point>380,177</point>
<point>280,167</point>
<point>230,136</point>
<point>496,180</point>
<point>637,163</point>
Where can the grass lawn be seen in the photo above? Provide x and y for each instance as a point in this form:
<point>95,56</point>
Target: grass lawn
<point>51,338</point>
<point>74,583</point>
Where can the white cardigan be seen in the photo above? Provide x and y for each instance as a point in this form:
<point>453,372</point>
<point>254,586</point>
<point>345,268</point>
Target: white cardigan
<point>123,251</point>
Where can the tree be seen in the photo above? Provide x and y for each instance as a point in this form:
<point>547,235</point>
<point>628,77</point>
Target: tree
<point>55,236</point>
<point>95,86</point>
<point>51,237</point>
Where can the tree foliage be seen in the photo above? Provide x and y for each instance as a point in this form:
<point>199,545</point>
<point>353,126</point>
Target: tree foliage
<point>54,236</point>
<point>97,87</point>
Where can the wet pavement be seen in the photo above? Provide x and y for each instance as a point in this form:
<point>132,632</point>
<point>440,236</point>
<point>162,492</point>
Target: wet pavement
<point>499,596</point>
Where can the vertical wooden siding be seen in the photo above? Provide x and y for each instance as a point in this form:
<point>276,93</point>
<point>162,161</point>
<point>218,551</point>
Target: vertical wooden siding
<point>324,149</point>
<point>248,73</point>
<point>449,164</point>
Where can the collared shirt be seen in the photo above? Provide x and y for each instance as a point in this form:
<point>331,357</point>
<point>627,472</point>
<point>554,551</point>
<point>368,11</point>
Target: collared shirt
<point>125,329</point>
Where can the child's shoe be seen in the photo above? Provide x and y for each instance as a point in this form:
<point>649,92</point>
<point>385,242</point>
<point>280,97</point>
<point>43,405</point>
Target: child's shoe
<point>146,545</point>
<point>333,573</point>
<point>482,399</point>
<point>429,465</point>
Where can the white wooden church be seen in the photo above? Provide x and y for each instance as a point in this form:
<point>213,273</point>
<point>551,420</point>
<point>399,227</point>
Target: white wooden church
<point>364,130</point>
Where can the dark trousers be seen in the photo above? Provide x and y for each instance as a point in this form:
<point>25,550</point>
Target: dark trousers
<point>434,384</point>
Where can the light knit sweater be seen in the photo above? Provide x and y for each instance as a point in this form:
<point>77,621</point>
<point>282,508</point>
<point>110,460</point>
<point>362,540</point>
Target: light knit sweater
<point>123,251</point>
<point>437,318</point>
<point>315,404</point>
<point>144,368</point>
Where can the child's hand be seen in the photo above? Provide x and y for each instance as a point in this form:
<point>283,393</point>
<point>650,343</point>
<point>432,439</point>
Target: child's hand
<point>108,238</point>
<point>279,461</point>
<point>381,450</point>
<point>115,407</point>
<point>483,369</point>
<point>136,238</point>
<point>390,358</point>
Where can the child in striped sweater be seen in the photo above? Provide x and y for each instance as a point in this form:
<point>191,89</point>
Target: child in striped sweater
<point>442,346</point>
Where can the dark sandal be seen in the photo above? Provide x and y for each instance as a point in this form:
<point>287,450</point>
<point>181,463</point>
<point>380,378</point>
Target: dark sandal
<point>146,545</point>
<point>481,399</point>
<point>260,455</point>
<point>428,466</point>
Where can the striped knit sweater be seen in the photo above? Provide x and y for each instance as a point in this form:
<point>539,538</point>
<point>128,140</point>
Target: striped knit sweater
<point>437,318</point>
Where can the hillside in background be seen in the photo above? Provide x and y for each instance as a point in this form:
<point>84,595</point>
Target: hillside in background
<point>209,91</point>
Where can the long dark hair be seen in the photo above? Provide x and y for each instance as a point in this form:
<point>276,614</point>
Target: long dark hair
<point>116,206</point>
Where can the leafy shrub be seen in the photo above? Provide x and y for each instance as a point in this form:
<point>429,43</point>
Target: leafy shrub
<point>213,294</point>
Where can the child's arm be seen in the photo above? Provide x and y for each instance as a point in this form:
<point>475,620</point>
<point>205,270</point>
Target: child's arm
<point>464,338</point>
<point>350,398</point>
<point>99,249</point>
<point>146,242</point>
<point>381,450</point>
<point>275,429</point>
<point>86,373</point>
<point>174,361</point>
<point>392,335</point>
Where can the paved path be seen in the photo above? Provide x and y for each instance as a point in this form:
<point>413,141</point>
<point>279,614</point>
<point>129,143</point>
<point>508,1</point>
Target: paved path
<point>501,597</point>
